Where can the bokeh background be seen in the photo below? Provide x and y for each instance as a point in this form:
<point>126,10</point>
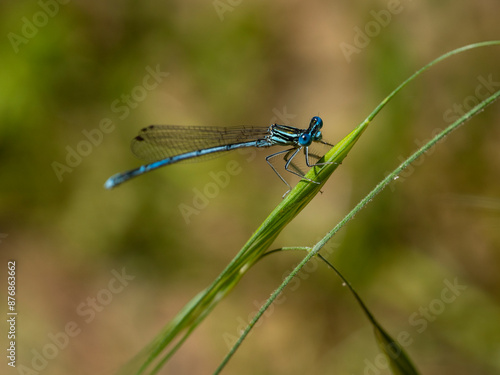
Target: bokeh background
<point>85,67</point>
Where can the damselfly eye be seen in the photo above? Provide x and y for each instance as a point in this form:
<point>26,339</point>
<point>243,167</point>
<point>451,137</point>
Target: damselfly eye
<point>305,139</point>
<point>317,121</point>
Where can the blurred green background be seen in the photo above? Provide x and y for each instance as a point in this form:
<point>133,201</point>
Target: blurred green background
<point>69,69</point>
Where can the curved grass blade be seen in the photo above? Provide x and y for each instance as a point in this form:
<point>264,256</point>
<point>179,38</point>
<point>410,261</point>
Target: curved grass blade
<point>399,362</point>
<point>163,347</point>
<point>377,189</point>
<point>398,359</point>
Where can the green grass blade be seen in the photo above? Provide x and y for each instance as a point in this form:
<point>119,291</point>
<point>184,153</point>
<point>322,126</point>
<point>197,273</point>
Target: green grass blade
<point>400,363</point>
<point>398,359</point>
<point>163,347</point>
<point>345,148</point>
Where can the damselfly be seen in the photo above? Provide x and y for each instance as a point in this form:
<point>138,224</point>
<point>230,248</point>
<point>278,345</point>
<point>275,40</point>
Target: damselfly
<point>162,145</point>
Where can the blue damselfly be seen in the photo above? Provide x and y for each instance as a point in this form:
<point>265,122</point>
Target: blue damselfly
<point>162,145</point>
